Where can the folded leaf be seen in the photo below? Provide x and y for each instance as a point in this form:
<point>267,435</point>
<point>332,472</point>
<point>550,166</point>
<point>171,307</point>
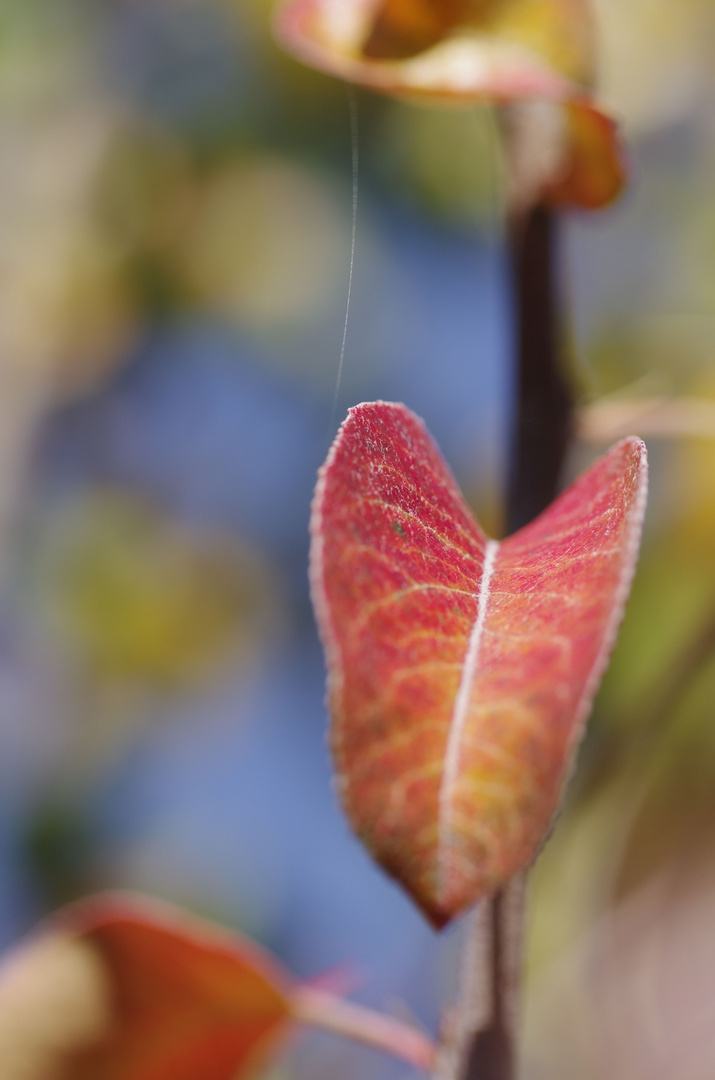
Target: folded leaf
<point>461,670</point>
<point>461,51</point>
<point>402,28</point>
<point>338,37</point>
<point>185,1000</point>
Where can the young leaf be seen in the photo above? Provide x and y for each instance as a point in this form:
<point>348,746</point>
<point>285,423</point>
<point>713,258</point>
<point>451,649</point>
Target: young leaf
<point>185,1000</point>
<point>462,51</point>
<point>461,670</point>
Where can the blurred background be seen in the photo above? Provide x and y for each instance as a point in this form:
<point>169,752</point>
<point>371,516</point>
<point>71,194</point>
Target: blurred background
<point>175,214</point>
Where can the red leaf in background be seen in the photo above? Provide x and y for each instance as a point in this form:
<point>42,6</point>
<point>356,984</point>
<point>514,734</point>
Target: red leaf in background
<point>121,987</point>
<point>330,35</point>
<point>460,52</point>
<point>187,1001</point>
<point>461,670</point>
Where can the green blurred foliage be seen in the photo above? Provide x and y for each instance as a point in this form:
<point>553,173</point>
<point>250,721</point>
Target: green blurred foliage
<point>138,595</point>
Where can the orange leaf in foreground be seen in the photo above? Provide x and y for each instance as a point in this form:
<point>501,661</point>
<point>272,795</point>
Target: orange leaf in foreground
<point>465,51</point>
<point>185,999</point>
<point>121,987</point>
<point>461,670</point>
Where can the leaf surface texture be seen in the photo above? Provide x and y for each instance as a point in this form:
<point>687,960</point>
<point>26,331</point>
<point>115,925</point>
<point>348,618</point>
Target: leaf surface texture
<point>461,670</point>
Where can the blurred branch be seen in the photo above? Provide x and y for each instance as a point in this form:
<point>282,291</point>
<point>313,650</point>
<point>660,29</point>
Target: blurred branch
<point>321,1009</point>
<point>660,417</point>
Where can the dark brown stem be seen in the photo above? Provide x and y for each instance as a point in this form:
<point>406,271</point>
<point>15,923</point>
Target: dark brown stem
<point>483,1046</point>
<point>543,418</point>
<point>491,1055</point>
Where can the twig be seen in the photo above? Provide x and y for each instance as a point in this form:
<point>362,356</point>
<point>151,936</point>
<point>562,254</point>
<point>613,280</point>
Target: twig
<point>658,417</point>
<point>482,1044</point>
<point>321,1009</point>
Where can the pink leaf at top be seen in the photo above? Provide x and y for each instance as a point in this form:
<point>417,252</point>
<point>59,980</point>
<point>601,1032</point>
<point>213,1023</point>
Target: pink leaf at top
<point>461,670</point>
<point>461,52</point>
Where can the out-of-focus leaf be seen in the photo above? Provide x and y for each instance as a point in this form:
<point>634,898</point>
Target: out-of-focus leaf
<point>592,172</point>
<point>461,670</point>
<point>401,28</point>
<point>120,987</point>
<point>182,999</point>
<point>560,31</point>
<point>473,50</point>
<point>460,67</point>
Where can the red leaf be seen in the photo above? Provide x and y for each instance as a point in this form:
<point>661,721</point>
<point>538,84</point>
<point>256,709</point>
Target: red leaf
<point>186,1000</point>
<point>461,670</point>
<point>121,987</point>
